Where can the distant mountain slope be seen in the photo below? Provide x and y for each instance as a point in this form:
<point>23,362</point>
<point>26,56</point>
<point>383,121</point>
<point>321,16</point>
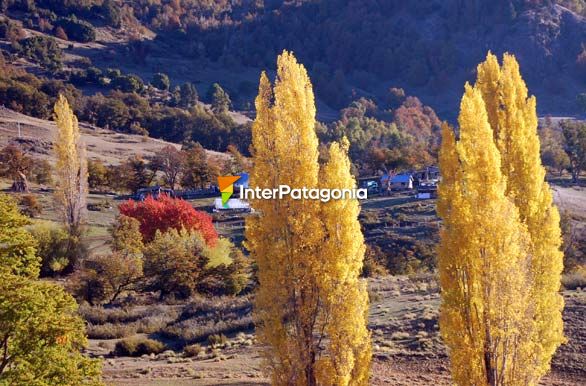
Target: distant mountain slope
<point>351,48</point>
<point>428,47</point>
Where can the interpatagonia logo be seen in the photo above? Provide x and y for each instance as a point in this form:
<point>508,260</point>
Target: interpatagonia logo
<point>226,185</point>
<point>282,191</point>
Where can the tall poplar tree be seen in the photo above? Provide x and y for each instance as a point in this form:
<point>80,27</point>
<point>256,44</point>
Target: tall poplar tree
<point>483,257</point>
<point>71,186</point>
<point>513,119</point>
<point>308,254</point>
<point>71,169</point>
<point>344,304</point>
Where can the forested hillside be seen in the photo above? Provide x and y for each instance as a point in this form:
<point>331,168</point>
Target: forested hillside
<point>351,48</point>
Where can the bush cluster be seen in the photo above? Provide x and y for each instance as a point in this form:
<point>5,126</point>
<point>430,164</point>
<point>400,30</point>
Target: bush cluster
<point>43,50</point>
<point>135,347</point>
<point>76,29</point>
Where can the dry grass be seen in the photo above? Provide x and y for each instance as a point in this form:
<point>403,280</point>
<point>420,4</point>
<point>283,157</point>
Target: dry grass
<point>182,324</point>
<point>575,279</point>
<point>112,323</point>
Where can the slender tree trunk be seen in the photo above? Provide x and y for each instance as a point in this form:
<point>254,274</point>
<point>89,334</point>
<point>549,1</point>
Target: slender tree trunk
<point>20,183</point>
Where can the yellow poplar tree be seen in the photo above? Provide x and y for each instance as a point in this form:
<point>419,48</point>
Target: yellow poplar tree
<point>71,167</point>
<point>298,310</point>
<point>513,119</point>
<point>344,307</point>
<point>483,257</point>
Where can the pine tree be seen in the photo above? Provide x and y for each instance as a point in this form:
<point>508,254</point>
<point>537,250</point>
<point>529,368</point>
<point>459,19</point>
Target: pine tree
<point>513,119</point>
<point>304,263</point>
<point>483,257</point>
<point>71,169</point>
<point>220,99</point>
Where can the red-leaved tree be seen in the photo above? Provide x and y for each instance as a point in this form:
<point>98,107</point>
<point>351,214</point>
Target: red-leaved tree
<point>165,213</point>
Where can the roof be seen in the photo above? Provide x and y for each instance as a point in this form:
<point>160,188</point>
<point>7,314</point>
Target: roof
<point>401,178</point>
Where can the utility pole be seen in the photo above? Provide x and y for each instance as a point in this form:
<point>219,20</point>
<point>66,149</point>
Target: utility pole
<point>19,133</point>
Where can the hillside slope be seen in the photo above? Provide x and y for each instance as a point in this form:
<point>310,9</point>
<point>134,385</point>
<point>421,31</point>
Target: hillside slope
<point>37,136</point>
<point>351,48</point>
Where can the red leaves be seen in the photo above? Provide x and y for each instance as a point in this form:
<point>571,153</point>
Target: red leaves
<point>165,213</point>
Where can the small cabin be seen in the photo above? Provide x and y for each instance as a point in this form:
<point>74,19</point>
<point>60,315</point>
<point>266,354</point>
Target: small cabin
<point>427,190</point>
<point>371,184</point>
<point>427,175</point>
<point>401,182</point>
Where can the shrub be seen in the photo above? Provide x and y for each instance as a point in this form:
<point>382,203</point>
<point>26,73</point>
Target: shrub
<point>113,73</point>
<point>216,340</point>
<point>174,263</point>
<point>10,30</point>
<point>110,331</point>
<point>135,347</point>
<point>25,98</point>
<point>42,49</point>
<point>60,33</point>
<point>30,205</point>
<point>101,315</point>
<point>59,251</point>
<point>161,81</point>
<point>575,279</point>
<point>104,278</point>
<point>52,247</point>
<point>83,62</point>
<point>228,271</point>
<point>128,83</point>
<point>209,316</point>
<point>93,75</point>
<point>126,236</point>
<point>76,29</point>
<point>192,350</point>
<point>373,265</point>
<point>167,213</point>
<point>41,172</point>
<point>97,174</point>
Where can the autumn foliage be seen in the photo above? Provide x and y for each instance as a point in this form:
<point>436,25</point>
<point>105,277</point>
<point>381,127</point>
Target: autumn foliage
<point>167,213</point>
<point>311,305</point>
<point>499,258</point>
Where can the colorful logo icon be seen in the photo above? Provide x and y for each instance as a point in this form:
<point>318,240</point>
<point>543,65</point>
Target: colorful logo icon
<point>226,185</point>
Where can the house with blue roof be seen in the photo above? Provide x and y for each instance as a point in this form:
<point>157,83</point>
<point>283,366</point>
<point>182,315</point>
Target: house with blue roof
<point>403,181</point>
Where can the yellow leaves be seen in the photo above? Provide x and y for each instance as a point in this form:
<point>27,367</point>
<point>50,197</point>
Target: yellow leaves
<point>516,137</point>
<point>309,254</point>
<point>71,182</point>
<point>499,258</point>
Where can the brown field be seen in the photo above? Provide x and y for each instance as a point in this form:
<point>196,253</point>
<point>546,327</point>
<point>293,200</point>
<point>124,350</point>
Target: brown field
<point>407,347</point>
<point>107,145</point>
